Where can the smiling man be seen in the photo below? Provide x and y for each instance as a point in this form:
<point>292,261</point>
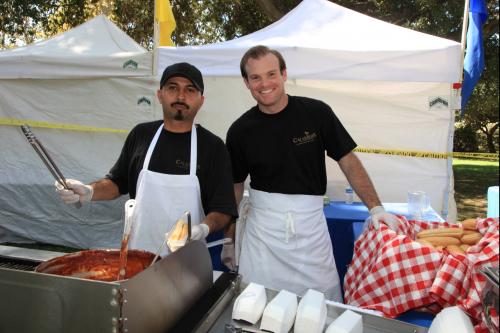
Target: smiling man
<point>169,166</point>
<point>281,143</point>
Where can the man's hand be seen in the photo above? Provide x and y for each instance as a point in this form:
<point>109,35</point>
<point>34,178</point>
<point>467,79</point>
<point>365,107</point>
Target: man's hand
<point>227,256</point>
<point>77,192</point>
<point>379,215</point>
<point>199,231</point>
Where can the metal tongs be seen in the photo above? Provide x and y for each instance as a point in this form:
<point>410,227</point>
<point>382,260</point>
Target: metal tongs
<point>46,159</point>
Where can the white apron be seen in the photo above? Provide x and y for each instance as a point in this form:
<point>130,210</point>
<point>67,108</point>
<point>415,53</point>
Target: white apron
<point>286,245</point>
<point>162,199</point>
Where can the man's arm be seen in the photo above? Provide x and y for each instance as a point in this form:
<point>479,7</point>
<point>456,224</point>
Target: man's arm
<point>228,250</point>
<point>217,221</point>
<point>213,222</point>
<point>105,189</point>
<point>360,181</point>
<point>229,231</point>
<point>238,192</point>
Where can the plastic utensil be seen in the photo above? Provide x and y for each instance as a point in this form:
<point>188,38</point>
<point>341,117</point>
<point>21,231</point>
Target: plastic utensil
<point>219,242</point>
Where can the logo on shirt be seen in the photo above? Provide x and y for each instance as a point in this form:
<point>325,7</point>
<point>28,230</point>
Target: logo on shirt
<point>306,138</point>
<point>184,165</point>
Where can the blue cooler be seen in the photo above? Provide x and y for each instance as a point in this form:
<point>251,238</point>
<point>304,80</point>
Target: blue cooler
<point>492,201</point>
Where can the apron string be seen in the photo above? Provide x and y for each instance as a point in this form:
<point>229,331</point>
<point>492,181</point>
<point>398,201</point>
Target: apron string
<point>151,148</point>
<point>289,226</point>
<point>194,152</point>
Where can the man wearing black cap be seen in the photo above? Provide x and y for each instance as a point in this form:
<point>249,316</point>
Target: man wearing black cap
<point>169,166</point>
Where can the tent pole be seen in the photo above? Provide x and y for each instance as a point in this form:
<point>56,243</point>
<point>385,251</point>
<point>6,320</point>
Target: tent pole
<point>449,208</point>
<point>155,40</point>
<point>464,38</point>
<point>451,212</point>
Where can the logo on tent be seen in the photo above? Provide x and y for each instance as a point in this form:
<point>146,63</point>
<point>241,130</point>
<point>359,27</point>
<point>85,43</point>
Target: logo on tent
<point>438,103</point>
<point>143,101</point>
<point>130,64</point>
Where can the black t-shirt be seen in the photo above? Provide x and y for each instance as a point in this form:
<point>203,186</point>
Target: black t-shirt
<point>171,155</point>
<point>285,152</point>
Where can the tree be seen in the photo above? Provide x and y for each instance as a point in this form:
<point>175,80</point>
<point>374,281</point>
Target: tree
<point>482,109</point>
<point>202,22</point>
<point>21,21</point>
<point>24,22</point>
<point>465,139</point>
<point>135,18</point>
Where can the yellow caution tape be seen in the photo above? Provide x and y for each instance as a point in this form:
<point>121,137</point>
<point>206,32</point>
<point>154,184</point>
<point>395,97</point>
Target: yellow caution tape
<point>68,127</point>
<point>407,153</point>
<point>470,155</point>
<point>402,153</point>
<point>425,154</point>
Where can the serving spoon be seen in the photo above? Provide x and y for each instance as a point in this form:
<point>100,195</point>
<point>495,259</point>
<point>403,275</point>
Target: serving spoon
<point>129,211</point>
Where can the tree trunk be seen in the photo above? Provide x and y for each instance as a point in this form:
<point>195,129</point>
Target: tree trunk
<point>490,137</point>
<point>270,9</point>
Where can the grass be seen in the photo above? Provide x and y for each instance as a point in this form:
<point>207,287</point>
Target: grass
<point>472,179</point>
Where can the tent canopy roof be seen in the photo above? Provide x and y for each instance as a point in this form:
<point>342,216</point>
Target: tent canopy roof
<point>322,40</point>
<point>96,48</point>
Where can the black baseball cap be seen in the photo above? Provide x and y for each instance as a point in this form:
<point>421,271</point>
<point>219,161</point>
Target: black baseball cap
<point>186,70</point>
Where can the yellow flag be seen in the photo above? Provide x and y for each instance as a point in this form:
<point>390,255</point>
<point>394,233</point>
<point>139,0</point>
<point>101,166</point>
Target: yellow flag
<point>166,22</point>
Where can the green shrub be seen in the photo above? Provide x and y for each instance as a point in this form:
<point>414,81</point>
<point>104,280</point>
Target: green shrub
<point>465,139</point>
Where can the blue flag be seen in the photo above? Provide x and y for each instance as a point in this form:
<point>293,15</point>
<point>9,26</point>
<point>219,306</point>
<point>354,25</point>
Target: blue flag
<point>474,55</point>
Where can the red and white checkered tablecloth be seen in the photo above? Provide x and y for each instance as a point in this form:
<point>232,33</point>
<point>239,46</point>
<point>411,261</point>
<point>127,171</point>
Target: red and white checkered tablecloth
<point>392,273</point>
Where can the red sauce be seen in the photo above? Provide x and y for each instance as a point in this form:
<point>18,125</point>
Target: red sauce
<point>102,265</point>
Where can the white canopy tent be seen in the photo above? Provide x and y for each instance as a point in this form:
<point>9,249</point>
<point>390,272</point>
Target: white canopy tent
<point>390,86</point>
<point>81,92</point>
<point>97,48</point>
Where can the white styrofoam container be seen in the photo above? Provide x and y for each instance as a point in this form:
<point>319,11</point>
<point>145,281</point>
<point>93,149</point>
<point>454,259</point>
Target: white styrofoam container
<point>347,322</point>
<point>250,304</point>
<point>451,319</point>
<point>279,314</point>
<point>311,313</point>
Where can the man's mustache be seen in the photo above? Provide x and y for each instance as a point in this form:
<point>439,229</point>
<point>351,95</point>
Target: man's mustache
<point>180,103</point>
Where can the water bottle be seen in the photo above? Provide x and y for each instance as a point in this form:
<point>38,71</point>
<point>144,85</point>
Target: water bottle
<point>349,195</point>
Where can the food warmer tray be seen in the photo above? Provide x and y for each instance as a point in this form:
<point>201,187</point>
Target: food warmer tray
<point>371,323</point>
<point>177,294</point>
<point>151,301</point>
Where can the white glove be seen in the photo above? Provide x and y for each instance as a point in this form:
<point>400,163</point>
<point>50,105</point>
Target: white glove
<point>199,231</point>
<point>378,215</point>
<point>227,256</point>
<point>78,191</point>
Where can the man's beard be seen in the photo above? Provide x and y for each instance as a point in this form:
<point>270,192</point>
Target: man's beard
<point>179,116</point>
